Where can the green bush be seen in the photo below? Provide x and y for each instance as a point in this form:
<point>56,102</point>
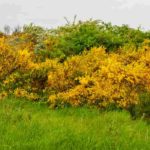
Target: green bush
<point>142,109</point>
<point>72,39</point>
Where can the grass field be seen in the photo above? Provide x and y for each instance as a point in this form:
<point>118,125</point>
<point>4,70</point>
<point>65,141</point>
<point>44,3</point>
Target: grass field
<point>26,125</point>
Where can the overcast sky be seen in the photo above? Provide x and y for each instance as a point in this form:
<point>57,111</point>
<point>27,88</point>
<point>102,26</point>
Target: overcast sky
<point>51,13</point>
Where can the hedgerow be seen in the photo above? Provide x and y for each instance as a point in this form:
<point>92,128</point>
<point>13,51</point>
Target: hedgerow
<point>87,63</point>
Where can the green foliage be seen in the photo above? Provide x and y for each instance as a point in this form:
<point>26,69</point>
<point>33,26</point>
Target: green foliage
<point>72,39</point>
<point>33,31</point>
<point>143,108</point>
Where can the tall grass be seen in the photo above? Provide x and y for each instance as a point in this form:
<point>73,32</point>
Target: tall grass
<point>32,126</point>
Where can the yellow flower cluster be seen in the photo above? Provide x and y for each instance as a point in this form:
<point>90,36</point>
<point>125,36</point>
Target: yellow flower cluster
<point>101,79</point>
<point>24,94</point>
<point>93,78</point>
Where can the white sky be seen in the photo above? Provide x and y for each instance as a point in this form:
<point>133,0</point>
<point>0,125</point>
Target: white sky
<point>51,13</point>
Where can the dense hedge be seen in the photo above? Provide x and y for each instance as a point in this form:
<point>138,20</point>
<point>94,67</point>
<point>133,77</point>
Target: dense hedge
<point>72,39</point>
<point>89,63</point>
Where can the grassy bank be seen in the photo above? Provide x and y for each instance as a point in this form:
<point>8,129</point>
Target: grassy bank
<point>26,125</point>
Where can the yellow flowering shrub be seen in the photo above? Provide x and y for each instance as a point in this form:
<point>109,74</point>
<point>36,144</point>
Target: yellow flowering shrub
<point>19,69</point>
<point>65,76</point>
<point>7,59</point>
<point>93,78</point>
<point>104,79</point>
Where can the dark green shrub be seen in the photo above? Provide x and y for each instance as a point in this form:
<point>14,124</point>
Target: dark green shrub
<point>73,39</point>
<point>142,109</point>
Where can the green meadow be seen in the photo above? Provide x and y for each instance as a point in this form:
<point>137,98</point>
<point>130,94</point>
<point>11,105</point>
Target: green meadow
<point>26,125</point>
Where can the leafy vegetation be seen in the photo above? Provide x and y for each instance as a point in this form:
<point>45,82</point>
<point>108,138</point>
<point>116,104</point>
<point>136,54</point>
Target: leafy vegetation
<point>89,63</point>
